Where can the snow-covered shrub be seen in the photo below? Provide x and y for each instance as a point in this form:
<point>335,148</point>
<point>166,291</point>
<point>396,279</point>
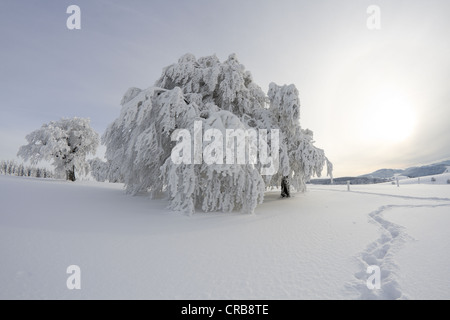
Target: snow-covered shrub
<point>66,142</point>
<point>99,169</point>
<point>221,96</point>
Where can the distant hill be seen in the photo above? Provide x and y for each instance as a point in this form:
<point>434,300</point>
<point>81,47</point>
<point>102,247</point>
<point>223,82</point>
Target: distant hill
<point>424,171</point>
<point>412,172</point>
<point>353,180</point>
<point>384,175</point>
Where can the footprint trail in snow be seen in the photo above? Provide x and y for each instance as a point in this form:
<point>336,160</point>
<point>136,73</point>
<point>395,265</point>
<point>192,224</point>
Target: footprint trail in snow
<point>381,253</point>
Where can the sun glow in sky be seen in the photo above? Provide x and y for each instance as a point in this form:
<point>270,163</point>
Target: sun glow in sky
<point>388,117</point>
<point>373,98</point>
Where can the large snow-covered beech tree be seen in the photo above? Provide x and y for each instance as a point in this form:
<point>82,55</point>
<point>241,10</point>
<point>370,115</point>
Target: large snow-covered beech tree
<point>65,142</point>
<point>191,99</point>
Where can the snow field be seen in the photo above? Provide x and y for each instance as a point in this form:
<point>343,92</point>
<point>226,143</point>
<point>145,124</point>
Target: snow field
<point>314,245</point>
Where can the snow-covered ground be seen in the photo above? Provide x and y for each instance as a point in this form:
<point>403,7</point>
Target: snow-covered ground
<point>439,179</point>
<point>314,245</point>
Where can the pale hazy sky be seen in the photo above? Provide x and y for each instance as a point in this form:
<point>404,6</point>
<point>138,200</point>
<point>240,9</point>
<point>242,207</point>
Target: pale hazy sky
<point>374,98</point>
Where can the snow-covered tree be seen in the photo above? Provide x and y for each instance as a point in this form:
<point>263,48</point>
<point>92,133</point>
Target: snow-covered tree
<point>66,143</point>
<point>21,170</point>
<point>300,159</point>
<point>3,167</point>
<point>47,173</point>
<point>99,169</point>
<point>220,96</point>
<point>11,167</point>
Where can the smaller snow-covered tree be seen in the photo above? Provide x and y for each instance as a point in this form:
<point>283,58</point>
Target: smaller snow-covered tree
<point>11,168</point>
<point>99,169</point>
<point>21,170</point>
<point>66,143</point>
<point>46,174</point>
<point>3,167</point>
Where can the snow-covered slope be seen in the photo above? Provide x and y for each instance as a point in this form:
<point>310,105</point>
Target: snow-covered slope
<point>433,179</point>
<point>412,172</point>
<point>314,245</point>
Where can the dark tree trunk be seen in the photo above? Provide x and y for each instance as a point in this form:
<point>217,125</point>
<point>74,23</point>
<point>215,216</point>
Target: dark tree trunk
<point>70,174</point>
<point>285,189</point>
